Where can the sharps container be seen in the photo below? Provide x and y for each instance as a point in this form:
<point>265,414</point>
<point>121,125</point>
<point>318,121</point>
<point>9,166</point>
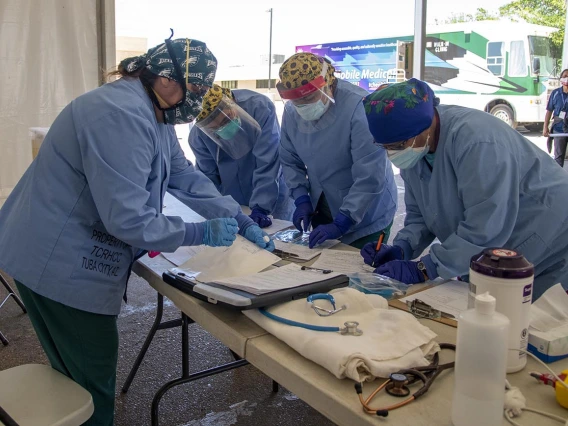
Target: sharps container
<point>508,277</point>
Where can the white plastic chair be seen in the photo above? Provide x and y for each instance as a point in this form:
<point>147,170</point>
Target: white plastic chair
<point>38,395</point>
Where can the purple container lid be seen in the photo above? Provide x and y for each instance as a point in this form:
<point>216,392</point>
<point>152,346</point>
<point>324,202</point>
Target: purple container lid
<point>502,263</point>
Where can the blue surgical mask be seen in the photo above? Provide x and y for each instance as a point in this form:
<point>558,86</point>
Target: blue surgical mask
<point>311,112</point>
<point>408,157</point>
<point>229,130</point>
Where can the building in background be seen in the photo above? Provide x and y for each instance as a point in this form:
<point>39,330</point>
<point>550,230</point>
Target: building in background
<point>127,47</point>
<point>252,76</point>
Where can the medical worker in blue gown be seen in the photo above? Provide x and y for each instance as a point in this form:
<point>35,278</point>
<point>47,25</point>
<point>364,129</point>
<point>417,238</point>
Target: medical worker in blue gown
<point>91,203</point>
<point>342,184</point>
<point>235,141</point>
<point>472,182</point>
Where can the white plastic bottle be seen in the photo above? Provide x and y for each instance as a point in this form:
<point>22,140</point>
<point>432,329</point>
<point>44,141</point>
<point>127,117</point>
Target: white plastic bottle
<point>481,364</point>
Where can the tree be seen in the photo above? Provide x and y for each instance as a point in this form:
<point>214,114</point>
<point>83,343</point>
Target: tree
<point>551,13</point>
<point>480,15</point>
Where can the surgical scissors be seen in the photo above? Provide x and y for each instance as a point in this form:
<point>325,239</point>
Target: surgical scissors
<point>397,384</point>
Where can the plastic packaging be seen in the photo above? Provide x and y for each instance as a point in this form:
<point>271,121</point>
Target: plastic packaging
<point>509,277</point>
<point>293,236</point>
<point>370,283</point>
<point>481,363</point>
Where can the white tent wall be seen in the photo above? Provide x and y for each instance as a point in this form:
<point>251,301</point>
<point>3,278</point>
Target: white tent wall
<point>51,51</point>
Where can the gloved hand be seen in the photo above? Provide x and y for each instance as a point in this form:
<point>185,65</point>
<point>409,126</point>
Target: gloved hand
<point>260,216</point>
<point>340,226</point>
<point>220,232</point>
<point>405,271</point>
<point>385,254</point>
<point>257,236</point>
<point>303,213</point>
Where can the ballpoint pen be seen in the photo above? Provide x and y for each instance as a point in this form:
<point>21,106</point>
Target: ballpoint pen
<point>379,243</point>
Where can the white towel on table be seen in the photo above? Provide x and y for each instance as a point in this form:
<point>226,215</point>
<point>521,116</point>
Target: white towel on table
<point>392,339</point>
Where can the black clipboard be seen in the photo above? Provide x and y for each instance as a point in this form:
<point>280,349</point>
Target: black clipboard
<point>241,300</point>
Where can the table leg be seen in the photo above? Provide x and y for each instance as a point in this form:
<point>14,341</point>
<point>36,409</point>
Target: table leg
<point>12,293</point>
<point>158,325</point>
<point>3,339</point>
<point>190,378</point>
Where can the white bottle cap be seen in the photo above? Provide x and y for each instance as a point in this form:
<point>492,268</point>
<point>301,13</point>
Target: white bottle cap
<point>485,303</point>
<point>266,239</point>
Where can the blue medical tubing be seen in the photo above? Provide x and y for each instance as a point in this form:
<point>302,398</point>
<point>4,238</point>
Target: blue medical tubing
<point>296,323</point>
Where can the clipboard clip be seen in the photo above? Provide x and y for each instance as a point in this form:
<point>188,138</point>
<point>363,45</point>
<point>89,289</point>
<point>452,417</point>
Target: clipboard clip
<point>284,254</point>
<point>421,309</point>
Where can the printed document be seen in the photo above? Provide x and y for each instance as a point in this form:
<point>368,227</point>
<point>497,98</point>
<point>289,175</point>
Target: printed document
<point>288,276</point>
<point>342,261</point>
<point>450,297</point>
<point>183,254</point>
<point>241,258</point>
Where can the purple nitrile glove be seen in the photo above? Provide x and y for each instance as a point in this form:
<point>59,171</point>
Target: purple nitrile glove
<point>303,213</point>
<point>332,231</point>
<point>405,271</point>
<point>385,254</point>
<point>260,216</point>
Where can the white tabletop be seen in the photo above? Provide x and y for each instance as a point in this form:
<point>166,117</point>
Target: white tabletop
<point>334,398</point>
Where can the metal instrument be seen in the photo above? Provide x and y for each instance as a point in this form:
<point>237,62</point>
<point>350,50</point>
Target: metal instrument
<point>399,383</point>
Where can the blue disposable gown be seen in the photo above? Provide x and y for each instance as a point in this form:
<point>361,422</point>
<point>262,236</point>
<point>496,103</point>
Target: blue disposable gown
<point>91,200</point>
<point>490,187</point>
<point>335,155</point>
<point>254,179</point>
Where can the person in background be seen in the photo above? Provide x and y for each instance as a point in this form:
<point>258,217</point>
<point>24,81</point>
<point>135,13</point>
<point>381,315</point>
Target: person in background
<point>91,202</point>
<point>342,184</point>
<point>557,108</point>
<point>235,141</point>
<point>471,181</point>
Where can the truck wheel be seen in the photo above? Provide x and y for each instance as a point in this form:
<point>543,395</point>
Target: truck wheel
<point>504,113</point>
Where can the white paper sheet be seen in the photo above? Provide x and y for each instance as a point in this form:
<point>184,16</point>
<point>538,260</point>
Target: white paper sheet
<point>449,297</point>
<point>288,276</point>
<point>300,252</point>
<point>241,258</point>
<point>183,254</point>
<point>277,225</point>
<point>550,311</point>
<point>342,261</point>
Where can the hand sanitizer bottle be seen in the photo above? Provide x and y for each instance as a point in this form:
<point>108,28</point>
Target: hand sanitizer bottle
<point>481,365</point>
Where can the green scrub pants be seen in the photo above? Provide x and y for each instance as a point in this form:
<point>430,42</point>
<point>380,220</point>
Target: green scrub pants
<point>372,238</point>
<point>79,344</point>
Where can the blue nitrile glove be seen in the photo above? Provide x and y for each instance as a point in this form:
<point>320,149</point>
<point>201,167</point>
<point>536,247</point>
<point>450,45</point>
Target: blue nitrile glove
<point>405,271</point>
<point>244,223</point>
<point>257,236</point>
<point>260,216</point>
<point>220,232</point>
<point>303,212</point>
<point>385,254</point>
<point>340,226</point>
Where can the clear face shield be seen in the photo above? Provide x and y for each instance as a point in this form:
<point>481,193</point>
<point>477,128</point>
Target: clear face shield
<point>231,128</point>
<point>311,100</point>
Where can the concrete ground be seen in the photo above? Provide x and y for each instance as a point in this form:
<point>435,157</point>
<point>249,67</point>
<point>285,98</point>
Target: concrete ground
<point>240,397</point>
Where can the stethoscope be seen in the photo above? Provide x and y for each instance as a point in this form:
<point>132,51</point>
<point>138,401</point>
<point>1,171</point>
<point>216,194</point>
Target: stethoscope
<point>397,384</point>
<point>350,327</point>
